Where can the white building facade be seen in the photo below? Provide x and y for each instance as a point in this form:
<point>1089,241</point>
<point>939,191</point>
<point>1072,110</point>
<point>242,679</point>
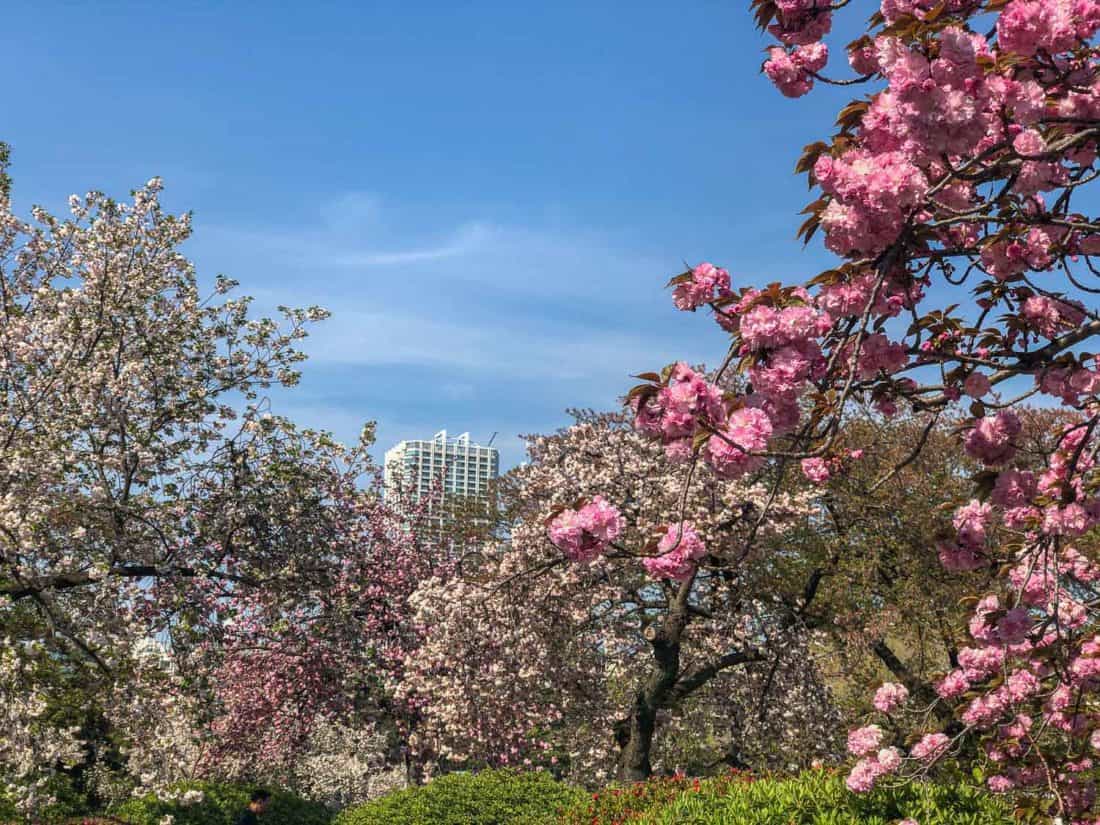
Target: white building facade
<point>459,467</point>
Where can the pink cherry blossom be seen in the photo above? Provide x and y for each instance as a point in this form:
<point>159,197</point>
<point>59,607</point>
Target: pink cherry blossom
<point>678,550</point>
<point>586,533</point>
<point>816,470</point>
<point>1026,26</point>
<point>931,746</point>
<point>865,740</point>
<point>707,283</point>
<point>991,438</point>
<point>728,452</point>
<point>977,385</point>
<point>890,697</point>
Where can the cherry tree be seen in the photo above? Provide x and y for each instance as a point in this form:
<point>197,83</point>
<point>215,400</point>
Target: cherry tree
<point>216,582</point>
<point>30,742</point>
<point>966,274</point>
<point>346,764</point>
<point>618,658</point>
<point>329,653</point>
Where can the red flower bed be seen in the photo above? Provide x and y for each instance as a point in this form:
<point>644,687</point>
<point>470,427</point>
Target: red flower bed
<point>619,806</point>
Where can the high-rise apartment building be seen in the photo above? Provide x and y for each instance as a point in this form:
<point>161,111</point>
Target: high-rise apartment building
<point>462,469</point>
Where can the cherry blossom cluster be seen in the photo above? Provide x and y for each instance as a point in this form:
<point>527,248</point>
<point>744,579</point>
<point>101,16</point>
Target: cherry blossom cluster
<point>31,752</point>
<point>587,532</point>
<point>677,553</point>
<point>700,286</point>
<point>675,408</point>
<point>877,761</point>
<point>820,470</point>
<point>801,22</point>
<point>345,765</point>
<point>792,72</point>
<point>780,333</point>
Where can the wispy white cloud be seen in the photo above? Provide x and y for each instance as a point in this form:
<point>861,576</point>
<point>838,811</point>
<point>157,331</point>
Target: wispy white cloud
<point>481,324</point>
<point>466,240</point>
<point>504,348</point>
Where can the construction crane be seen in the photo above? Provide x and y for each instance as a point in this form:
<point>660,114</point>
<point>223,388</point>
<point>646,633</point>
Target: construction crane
<point>490,444</point>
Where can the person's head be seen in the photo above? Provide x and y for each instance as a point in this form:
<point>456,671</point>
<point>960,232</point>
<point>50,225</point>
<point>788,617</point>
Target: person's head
<point>259,800</point>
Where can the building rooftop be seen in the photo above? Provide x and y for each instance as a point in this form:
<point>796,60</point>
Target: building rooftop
<point>457,466</point>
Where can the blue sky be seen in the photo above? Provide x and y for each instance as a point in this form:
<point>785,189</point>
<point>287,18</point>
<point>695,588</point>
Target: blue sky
<point>489,196</point>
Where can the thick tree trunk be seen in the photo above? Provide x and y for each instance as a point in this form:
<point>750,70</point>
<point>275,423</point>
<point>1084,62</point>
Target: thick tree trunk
<point>665,687</point>
<point>414,771</point>
<point>635,736</point>
<point>635,733</point>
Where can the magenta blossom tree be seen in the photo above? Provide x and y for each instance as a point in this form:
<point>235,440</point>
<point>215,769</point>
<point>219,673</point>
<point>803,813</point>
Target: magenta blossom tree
<point>952,196</point>
<point>325,648</point>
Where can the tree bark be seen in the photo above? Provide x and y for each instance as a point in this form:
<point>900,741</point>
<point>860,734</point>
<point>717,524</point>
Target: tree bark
<point>634,734</point>
<point>665,686</point>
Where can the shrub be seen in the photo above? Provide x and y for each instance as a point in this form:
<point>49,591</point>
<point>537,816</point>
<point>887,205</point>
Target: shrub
<point>221,805</point>
<point>816,798</point>
<point>500,797</point>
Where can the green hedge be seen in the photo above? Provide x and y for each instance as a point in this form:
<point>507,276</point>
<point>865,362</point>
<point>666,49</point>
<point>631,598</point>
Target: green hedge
<point>221,805</point>
<point>534,798</point>
<point>814,798</point>
<point>500,797</point>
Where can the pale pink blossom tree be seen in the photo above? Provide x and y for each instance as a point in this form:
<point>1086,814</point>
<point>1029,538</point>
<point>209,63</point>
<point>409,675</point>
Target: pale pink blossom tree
<point>604,642</point>
<point>149,497</point>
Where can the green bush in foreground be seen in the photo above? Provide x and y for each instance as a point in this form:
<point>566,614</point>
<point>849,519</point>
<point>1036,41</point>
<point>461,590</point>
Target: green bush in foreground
<point>816,798</point>
<point>221,805</point>
<point>500,797</point>
<point>627,803</point>
<point>504,797</point>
